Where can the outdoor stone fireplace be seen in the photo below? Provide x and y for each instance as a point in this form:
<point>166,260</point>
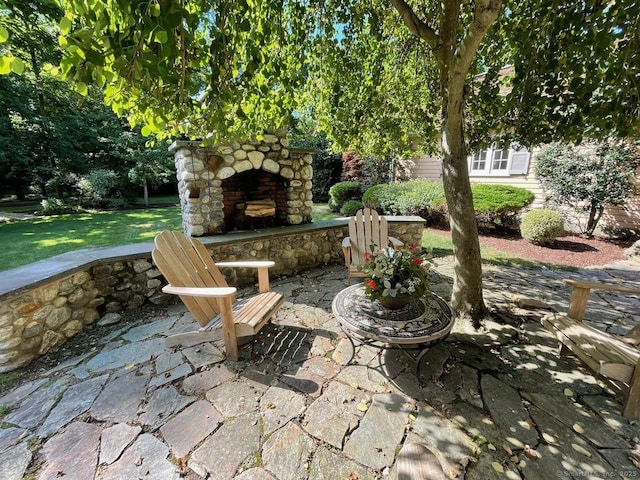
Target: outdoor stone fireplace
<point>241,186</point>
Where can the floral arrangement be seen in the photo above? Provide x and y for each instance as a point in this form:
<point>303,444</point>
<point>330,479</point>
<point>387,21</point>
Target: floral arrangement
<point>395,274</point>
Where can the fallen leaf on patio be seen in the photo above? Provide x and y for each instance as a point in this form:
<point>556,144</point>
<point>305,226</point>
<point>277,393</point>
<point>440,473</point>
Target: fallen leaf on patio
<point>271,405</point>
<point>138,461</point>
<point>507,449</point>
<point>491,447</point>
<point>352,476</point>
<point>568,392</point>
<point>580,449</point>
<point>531,453</point>
<point>497,467</point>
<point>129,366</point>
<point>578,428</point>
<point>363,407</point>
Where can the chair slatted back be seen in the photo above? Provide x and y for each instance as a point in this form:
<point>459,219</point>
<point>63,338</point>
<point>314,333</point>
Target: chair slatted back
<point>185,262</point>
<point>367,229</point>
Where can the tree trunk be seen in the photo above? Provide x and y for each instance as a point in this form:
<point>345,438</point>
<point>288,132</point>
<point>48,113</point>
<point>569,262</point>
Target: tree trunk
<point>145,189</point>
<point>466,296</point>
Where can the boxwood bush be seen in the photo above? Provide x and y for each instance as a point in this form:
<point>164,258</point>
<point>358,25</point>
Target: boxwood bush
<point>542,226</point>
<point>496,206</point>
<point>414,197</point>
<point>343,191</point>
<point>350,207</point>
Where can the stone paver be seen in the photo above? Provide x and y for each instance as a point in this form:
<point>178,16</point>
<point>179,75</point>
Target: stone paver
<point>114,440</point>
<point>497,402</point>
<point>231,445</point>
<point>374,442</point>
<point>120,398</point>
<point>190,427</point>
<point>72,453</point>
<point>146,458</point>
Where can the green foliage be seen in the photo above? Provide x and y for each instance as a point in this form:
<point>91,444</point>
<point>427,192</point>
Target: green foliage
<point>95,187</point>
<point>54,206</point>
<point>414,197</point>
<point>370,196</point>
<point>573,65</point>
<point>500,198</point>
<point>589,178</point>
<point>327,166</point>
<point>542,226</point>
<point>343,191</point>
<point>350,207</point>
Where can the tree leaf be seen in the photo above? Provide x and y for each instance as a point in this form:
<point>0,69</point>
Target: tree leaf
<point>5,65</point>
<point>4,34</point>
<point>82,89</point>
<point>65,25</point>
<point>17,65</point>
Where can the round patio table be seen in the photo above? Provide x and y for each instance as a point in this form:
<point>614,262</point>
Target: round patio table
<point>417,326</point>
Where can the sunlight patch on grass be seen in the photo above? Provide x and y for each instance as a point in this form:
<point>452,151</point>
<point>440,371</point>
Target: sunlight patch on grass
<point>50,242</point>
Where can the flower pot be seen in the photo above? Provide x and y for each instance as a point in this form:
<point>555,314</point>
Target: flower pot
<point>395,303</point>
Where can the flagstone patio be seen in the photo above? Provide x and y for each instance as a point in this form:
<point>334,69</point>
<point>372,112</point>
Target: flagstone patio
<point>497,402</point>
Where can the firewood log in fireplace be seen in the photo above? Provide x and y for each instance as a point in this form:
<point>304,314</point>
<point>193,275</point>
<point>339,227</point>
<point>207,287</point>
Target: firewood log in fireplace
<point>257,208</point>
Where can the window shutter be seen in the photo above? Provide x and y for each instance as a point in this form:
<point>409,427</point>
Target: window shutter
<point>519,163</point>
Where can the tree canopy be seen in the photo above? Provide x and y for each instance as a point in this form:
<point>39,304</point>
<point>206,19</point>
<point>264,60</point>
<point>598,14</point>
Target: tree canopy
<point>381,77</point>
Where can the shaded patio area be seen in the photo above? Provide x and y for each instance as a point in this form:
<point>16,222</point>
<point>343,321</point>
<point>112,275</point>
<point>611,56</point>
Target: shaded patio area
<point>497,402</point>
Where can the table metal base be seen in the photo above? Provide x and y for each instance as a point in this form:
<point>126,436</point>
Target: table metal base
<point>422,323</point>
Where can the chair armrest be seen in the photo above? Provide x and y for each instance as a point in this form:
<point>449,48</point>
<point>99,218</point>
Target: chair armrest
<point>261,265</point>
<point>395,242</point>
<point>580,294</point>
<point>247,264</point>
<point>216,292</point>
<point>601,286</point>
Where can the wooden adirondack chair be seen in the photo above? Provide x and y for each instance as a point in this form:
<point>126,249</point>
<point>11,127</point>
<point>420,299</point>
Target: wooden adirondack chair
<point>194,276</point>
<point>368,232</point>
<point>614,358</point>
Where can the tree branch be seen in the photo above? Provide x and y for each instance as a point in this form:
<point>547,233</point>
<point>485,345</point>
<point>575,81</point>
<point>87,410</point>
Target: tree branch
<point>416,26</point>
<point>484,14</point>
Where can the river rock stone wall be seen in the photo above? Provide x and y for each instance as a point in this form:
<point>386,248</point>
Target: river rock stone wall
<point>201,171</point>
<point>35,320</point>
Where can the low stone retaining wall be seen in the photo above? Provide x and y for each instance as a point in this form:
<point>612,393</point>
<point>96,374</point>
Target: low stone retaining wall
<point>45,303</point>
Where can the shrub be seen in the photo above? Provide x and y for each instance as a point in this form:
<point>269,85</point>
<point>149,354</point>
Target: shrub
<point>95,187</point>
<point>350,207</point>
<point>54,206</point>
<point>497,206</point>
<point>370,196</point>
<point>541,226</point>
<point>343,191</point>
<point>414,197</point>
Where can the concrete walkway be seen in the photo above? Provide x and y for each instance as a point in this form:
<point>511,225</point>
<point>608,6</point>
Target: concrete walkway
<point>497,402</point>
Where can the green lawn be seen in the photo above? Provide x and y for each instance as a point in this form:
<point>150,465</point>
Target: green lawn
<point>28,241</point>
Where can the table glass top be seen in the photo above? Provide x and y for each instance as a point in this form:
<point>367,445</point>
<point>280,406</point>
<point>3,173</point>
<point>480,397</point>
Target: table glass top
<point>422,320</point>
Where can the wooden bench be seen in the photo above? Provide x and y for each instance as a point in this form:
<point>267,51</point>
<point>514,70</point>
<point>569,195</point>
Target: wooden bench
<point>614,358</point>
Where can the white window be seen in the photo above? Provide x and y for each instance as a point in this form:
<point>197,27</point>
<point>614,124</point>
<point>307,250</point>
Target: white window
<point>499,162</point>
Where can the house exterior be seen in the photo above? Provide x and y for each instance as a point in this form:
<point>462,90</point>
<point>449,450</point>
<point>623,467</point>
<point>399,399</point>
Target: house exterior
<point>516,167</point>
